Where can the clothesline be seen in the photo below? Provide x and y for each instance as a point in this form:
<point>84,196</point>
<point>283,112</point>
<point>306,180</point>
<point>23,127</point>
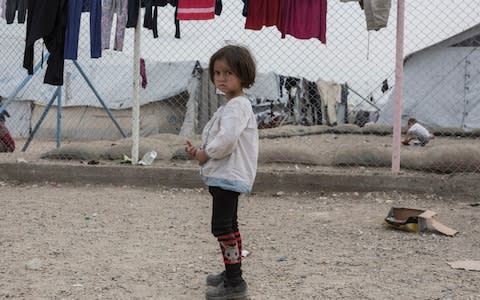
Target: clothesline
<point>58,23</point>
<point>302,19</point>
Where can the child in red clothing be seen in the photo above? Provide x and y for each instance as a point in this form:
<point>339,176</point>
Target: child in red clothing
<point>7,144</point>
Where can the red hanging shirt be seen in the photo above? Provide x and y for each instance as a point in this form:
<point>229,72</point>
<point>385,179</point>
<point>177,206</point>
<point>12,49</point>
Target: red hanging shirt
<point>305,19</point>
<point>196,9</point>
<point>264,13</point>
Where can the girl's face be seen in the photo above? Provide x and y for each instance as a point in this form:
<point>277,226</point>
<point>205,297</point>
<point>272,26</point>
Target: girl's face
<point>225,80</point>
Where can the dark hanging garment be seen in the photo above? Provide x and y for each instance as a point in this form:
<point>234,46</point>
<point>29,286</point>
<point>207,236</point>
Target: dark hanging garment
<point>150,18</point>
<point>15,6</point>
<point>245,8</point>
<point>385,86</point>
<point>72,32</point>
<point>143,73</point>
<point>151,14</point>
<point>177,23</point>
<point>47,20</point>
<point>218,7</point>
<point>316,102</point>
<point>133,7</point>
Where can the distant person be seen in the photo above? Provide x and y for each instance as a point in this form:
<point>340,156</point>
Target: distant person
<point>7,144</point>
<point>228,162</point>
<point>417,132</point>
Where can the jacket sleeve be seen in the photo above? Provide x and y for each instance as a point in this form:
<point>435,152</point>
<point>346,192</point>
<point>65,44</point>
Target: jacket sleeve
<point>233,121</point>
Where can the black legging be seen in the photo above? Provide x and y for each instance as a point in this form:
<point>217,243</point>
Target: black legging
<point>224,212</point>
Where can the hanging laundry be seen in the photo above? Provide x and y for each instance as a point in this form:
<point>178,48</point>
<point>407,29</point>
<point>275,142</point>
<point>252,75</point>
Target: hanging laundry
<point>196,9</point>
<point>218,7</point>
<point>3,6</point>
<point>313,97</point>
<point>177,23</point>
<point>245,8</point>
<point>75,9</point>
<point>151,14</point>
<point>305,19</point>
<point>330,94</point>
<point>111,7</point>
<point>15,6</point>
<point>264,13</point>
<point>377,13</point>
<point>385,86</point>
<point>133,7</point>
<point>143,73</point>
<point>47,20</point>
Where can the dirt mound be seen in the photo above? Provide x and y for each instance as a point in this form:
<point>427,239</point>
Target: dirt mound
<point>164,144</point>
<point>304,145</point>
<point>441,159</point>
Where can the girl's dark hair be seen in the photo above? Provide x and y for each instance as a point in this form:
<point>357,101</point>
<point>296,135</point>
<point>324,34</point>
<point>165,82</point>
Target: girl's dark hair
<point>239,59</point>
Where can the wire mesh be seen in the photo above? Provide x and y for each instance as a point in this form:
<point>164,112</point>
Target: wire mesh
<point>321,104</point>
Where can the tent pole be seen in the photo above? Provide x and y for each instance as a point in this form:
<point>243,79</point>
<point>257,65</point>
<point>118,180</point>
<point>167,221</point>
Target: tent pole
<point>94,90</point>
<point>59,116</point>
<point>23,84</point>
<point>136,91</point>
<point>397,117</point>
<point>40,120</point>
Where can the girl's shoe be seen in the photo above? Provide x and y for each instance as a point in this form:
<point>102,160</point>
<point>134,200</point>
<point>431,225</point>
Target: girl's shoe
<point>216,279</point>
<point>226,291</point>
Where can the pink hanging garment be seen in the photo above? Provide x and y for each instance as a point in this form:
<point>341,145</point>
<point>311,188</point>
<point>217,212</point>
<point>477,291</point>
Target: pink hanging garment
<point>264,13</point>
<point>196,9</point>
<point>305,19</point>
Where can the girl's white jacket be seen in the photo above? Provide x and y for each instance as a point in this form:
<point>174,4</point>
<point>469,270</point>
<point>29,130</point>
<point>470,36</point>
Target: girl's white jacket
<point>230,139</point>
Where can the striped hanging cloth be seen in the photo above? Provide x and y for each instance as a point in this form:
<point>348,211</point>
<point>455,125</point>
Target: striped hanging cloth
<point>196,9</point>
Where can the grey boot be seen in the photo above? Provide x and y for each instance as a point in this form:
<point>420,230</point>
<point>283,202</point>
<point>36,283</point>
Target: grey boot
<point>216,279</point>
<point>226,291</point>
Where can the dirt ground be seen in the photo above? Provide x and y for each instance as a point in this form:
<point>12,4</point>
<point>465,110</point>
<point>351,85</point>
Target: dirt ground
<point>105,242</point>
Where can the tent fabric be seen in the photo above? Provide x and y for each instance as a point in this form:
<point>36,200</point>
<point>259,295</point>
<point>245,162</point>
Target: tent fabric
<point>178,97</point>
<point>441,85</point>
<point>117,92</point>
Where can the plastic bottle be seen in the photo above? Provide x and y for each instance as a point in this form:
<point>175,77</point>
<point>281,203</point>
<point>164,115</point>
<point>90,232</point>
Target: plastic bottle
<point>148,158</point>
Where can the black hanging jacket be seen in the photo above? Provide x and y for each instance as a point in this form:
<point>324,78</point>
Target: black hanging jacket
<point>47,20</point>
<point>151,14</point>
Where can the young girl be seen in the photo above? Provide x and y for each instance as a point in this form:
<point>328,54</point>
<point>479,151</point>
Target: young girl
<point>228,160</point>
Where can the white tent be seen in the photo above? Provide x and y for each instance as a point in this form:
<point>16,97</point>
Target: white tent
<point>170,103</point>
<point>165,95</point>
<point>442,84</point>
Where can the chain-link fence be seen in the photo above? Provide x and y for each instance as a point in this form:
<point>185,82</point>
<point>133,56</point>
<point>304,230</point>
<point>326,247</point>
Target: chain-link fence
<point>325,100</point>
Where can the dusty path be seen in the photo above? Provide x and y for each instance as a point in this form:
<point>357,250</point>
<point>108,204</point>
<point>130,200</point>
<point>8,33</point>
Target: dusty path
<point>103,242</point>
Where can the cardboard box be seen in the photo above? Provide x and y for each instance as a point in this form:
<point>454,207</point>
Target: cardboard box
<point>416,220</point>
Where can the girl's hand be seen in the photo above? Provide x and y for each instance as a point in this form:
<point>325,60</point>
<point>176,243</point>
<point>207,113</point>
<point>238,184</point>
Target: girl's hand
<point>190,149</point>
<point>198,154</point>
